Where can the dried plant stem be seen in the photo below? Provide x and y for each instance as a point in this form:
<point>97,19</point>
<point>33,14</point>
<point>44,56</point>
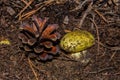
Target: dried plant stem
<point>112,56</point>
<point>98,38</point>
<point>111,48</point>
<point>68,58</point>
<point>79,6</point>
<point>67,31</point>
<point>28,14</point>
<point>30,63</point>
<point>101,70</point>
<point>101,15</point>
<point>84,15</point>
<point>24,8</point>
<point>26,3</point>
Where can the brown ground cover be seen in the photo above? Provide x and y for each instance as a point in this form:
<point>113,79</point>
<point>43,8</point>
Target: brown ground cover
<point>102,19</point>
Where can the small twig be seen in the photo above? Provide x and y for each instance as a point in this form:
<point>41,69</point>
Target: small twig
<point>111,48</point>
<point>45,2</point>
<point>98,38</point>
<point>101,15</point>
<point>37,68</point>
<point>85,14</point>
<point>67,31</point>
<point>32,69</point>
<point>26,3</point>
<point>101,70</point>
<point>24,8</point>
<point>68,58</point>
<point>114,2</point>
<point>15,4</point>
<point>79,6</point>
<point>112,56</point>
<point>93,18</point>
<point>28,14</point>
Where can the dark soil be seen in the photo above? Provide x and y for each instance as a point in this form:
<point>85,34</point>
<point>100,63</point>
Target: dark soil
<point>105,54</point>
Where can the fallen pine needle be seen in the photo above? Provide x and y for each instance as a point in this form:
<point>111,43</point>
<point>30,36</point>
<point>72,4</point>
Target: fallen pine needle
<point>84,15</point>
<point>67,31</point>
<point>98,38</point>
<point>101,15</point>
<point>30,63</point>
<point>24,8</point>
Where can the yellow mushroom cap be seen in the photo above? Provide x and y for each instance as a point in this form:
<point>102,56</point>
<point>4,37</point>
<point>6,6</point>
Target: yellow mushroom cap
<point>77,41</point>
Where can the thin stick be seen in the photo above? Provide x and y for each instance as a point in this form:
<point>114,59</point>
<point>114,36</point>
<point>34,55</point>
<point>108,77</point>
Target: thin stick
<point>85,14</point>
<point>111,48</point>
<point>114,2</point>
<point>68,58</point>
<point>32,69</point>
<point>101,16</point>
<point>112,56</point>
<point>26,15</point>
<point>79,6</point>
<point>98,38</point>
<point>26,3</point>
<point>93,18</point>
<point>24,8</point>
<point>101,70</point>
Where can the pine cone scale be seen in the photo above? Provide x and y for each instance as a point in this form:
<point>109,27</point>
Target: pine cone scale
<point>39,39</point>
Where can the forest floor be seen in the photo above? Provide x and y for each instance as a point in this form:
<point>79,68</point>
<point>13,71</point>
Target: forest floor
<point>102,19</point>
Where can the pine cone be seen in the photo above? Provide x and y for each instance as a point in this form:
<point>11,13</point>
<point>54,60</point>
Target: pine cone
<point>39,39</point>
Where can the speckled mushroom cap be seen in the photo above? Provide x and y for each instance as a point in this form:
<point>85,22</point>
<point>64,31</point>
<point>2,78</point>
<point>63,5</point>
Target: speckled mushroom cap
<point>40,40</point>
<point>77,41</point>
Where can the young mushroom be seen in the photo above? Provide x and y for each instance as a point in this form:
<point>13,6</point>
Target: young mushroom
<point>39,39</point>
<point>76,43</point>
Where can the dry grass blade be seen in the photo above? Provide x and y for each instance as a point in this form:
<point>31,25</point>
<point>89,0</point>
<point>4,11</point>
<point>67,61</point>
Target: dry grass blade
<point>112,56</point>
<point>101,70</point>
<point>111,48</point>
<point>79,6</point>
<point>66,31</point>
<point>26,3</point>
<point>101,15</point>
<point>28,14</point>
<point>84,15</point>
<point>30,63</point>
<point>98,38</point>
<point>24,8</point>
<point>65,57</point>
